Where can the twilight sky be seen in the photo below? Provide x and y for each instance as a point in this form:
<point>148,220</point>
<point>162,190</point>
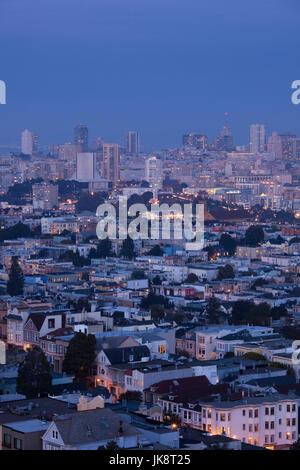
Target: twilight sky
<point>163,67</point>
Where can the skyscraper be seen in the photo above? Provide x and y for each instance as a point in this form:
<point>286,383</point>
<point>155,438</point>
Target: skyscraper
<point>132,142</point>
<point>153,172</point>
<point>257,138</point>
<point>29,142</point>
<point>85,166</point>
<point>81,138</point>
<point>110,164</point>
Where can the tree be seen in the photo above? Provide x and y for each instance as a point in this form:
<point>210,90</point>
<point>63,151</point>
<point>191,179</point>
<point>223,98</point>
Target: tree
<point>225,272</point>
<point>254,356</point>
<point>157,312</point>
<point>156,280</point>
<point>127,250</point>
<point>213,310</point>
<point>34,375</point>
<point>138,274</point>
<point>156,251</point>
<point>295,445</point>
<point>15,283</point>
<point>192,278</point>
<point>104,248</point>
<point>227,244</point>
<point>80,355</point>
<point>254,235</point>
<point>241,310</point>
<point>112,445</point>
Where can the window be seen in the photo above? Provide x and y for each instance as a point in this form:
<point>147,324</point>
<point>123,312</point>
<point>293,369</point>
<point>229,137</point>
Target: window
<point>266,411</point>
<point>51,323</point>
<point>18,444</point>
<point>223,417</point>
<point>55,434</point>
<point>256,413</point>
<point>288,408</point>
<point>266,424</point>
<point>244,412</point>
<point>162,349</point>
<point>272,410</point>
<point>294,407</point>
<point>7,440</point>
<point>250,414</point>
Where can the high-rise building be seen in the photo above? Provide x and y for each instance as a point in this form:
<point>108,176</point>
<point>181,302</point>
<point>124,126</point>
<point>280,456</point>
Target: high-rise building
<point>29,142</point>
<point>86,166</point>
<point>153,172</point>
<point>81,138</point>
<point>67,152</point>
<point>110,164</point>
<point>287,145</point>
<point>257,138</point>
<point>198,141</point>
<point>225,141</point>
<point>283,145</point>
<point>132,142</point>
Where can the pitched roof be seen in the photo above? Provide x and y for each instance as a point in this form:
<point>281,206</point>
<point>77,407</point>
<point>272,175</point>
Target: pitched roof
<point>125,355</point>
<point>92,426</point>
<point>188,389</point>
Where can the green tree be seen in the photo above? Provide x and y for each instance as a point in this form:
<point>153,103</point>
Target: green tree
<point>138,274</point>
<point>34,375</point>
<point>127,250</point>
<point>225,272</point>
<point>112,445</point>
<point>156,251</point>
<point>240,311</point>
<point>213,310</point>
<point>254,235</point>
<point>15,283</point>
<point>227,244</point>
<point>157,312</point>
<point>254,356</point>
<point>295,445</point>
<point>104,248</point>
<point>80,355</point>
<point>192,278</point>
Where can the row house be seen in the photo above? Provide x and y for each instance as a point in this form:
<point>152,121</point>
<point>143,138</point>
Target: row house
<point>54,345</point>
<point>174,291</point>
<point>39,325</point>
<point>269,421</point>
<point>186,343</point>
<point>143,376</point>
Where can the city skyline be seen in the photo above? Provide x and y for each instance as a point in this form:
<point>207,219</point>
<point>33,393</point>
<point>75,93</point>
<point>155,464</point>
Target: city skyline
<point>181,80</point>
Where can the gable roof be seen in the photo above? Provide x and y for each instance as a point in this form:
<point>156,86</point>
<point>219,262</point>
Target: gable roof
<point>92,426</point>
<point>37,319</point>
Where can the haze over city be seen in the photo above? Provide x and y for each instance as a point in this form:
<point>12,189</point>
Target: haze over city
<point>164,68</point>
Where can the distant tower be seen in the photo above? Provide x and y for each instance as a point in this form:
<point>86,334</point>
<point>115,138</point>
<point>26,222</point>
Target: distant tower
<point>132,142</point>
<point>110,162</point>
<point>81,138</point>
<point>257,138</point>
<point>226,129</point>
<point>29,142</point>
